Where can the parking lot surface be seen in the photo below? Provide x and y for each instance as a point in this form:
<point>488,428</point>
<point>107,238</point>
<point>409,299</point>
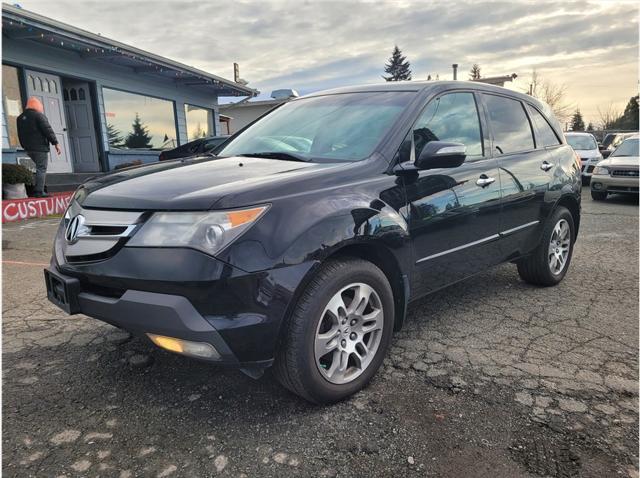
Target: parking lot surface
<point>491,377</point>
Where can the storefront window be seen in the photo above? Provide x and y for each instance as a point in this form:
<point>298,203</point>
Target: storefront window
<point>11,104</point>
<point>139,122</point>
<point>198,121</point>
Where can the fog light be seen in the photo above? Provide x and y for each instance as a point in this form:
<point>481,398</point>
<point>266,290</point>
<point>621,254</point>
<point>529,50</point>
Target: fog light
<point>185,347</point>
<point>596,185</point>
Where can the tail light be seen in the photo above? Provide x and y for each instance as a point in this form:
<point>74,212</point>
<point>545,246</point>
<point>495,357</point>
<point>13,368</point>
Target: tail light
<point>161,157</point>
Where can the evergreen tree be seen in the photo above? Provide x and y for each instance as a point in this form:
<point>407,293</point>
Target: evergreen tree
<point>577,123</point>
<point>590,126</point>
<point>474,73</point>
<point>629,119</point>
<point>139,136</point>
<point>398,67</point>
<point>115,138</point>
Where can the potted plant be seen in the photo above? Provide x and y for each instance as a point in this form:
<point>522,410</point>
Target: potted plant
<point>14,179</point>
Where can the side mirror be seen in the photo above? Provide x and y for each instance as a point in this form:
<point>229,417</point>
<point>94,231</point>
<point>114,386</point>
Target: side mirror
<point>441,154</point>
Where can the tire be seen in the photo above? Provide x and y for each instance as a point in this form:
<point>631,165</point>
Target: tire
<point>598,195</point>
<point>537,269</point>
<point>298,366</point>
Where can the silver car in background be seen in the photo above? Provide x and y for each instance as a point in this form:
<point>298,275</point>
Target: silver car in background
<point>619,172</point>
<point>586,146</point>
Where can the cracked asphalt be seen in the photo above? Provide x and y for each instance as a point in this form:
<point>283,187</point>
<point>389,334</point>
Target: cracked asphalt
<point>491,377</point>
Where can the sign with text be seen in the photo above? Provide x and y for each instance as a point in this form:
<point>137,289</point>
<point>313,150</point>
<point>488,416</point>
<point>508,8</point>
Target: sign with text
<point>20,209</point>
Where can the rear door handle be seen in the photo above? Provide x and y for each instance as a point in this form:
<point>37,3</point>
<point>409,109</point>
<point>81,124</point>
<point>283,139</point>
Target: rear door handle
<point>546,166</point>
<point>484,180</point>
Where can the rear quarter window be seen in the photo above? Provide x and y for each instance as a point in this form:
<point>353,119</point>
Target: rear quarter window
<point>545,135</point>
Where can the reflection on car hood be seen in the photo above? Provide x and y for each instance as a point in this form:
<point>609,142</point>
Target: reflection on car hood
<point>621,161</point>
<point>195,184</point>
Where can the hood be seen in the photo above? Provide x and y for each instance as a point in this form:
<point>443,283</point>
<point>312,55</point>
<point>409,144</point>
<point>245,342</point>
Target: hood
<point>196,183</point>
<point>621,162</point>
<point>588,153</point>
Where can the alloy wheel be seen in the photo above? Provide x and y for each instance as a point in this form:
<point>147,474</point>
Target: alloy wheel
<point>559,246</point>
<point>349,333</point>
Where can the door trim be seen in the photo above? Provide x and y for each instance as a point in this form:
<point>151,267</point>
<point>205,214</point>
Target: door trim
<point>459,248</point>
<point>479,241</point>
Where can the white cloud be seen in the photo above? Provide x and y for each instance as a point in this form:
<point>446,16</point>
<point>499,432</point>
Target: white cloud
<point>311,45</point>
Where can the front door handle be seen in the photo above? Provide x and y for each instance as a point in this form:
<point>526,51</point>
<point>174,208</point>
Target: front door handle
<point>546,166</point>
<point>484,180</point>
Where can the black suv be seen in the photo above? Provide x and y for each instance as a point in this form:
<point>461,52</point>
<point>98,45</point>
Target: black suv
<point>300,245</point>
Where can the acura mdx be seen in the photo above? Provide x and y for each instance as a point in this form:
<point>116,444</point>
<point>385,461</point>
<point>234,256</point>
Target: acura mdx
<point>301,242</point>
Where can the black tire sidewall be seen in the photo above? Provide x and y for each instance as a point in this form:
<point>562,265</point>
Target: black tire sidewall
<point>314,382</point>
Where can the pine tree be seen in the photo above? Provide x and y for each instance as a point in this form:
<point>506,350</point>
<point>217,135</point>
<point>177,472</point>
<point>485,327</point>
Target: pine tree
<point>398,67</point>
<point>139,137</point>
<point>474,73</point>
<point>115,138</point>
<point>577,123</point>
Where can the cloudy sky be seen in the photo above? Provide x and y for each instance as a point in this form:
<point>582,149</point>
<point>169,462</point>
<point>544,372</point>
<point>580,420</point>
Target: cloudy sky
<point>591,47</point>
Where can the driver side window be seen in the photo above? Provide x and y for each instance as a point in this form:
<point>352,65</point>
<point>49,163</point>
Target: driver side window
<point>452,117</point>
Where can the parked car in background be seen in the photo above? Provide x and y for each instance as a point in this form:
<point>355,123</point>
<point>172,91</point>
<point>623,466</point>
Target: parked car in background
<point>300,245</point>
<point>612,140</point>
<point>586,146</point>
<point>193,148</point>
<point>619,172</point>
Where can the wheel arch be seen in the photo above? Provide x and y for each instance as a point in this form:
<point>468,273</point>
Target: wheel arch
<point>571,203</point>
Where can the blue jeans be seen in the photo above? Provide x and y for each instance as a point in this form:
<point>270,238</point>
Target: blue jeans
<point>42,160</point>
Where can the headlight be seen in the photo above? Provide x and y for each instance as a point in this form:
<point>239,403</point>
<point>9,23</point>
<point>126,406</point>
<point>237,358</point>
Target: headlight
<point>209,232</point>
<point>600,170</point>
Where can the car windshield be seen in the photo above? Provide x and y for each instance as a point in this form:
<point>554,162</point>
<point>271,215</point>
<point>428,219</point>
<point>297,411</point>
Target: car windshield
<point>629,147</point>
<point>341,127</point>
<point>581,142</point>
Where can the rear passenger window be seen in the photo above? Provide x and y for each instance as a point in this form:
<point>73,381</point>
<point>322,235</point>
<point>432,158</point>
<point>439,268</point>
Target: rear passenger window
<point>545,135</point>
<point>452,117</point>
<point>510,125</point>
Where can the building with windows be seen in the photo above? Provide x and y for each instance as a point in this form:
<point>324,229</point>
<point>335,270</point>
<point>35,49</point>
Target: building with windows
<point>109,103</point>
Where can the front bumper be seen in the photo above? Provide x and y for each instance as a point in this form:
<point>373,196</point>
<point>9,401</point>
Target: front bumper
<point>613,184</point>
<point>185,294</point>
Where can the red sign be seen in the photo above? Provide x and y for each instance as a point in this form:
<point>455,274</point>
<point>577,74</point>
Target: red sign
<point>20,209</point>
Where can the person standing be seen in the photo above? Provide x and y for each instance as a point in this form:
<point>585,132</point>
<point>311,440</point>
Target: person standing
<point>35,135</point>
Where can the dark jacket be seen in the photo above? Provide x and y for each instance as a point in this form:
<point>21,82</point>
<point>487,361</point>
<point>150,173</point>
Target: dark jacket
<point>35,132</point>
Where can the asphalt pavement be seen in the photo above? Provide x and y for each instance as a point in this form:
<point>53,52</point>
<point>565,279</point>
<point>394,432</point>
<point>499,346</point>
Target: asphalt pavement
<point>491,377</point>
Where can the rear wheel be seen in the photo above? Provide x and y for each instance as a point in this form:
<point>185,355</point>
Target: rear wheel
<point>339,332</point>
<point>598,195</point>
<point>549,263</point>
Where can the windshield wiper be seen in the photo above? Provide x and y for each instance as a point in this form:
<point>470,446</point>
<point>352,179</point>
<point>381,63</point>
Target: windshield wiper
<point>277,155</point>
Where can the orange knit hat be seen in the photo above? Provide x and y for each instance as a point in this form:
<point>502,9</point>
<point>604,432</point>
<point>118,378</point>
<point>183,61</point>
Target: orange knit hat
<point>34,103</point>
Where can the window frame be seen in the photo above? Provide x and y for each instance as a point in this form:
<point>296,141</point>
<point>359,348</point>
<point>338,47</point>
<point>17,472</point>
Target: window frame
<point>122,90</point>
<point>529,107</point>
<point>481,122</point>
<point>210,125</point>
<point>523,104</point>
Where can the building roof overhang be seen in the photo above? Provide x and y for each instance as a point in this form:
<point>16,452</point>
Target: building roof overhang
<point>20,24</point>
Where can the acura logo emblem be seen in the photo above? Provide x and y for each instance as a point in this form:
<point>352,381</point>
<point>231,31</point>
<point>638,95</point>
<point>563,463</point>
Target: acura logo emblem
<point>75,228</point>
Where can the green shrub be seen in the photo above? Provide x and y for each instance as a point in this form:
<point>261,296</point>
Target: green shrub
<point>16,174</point>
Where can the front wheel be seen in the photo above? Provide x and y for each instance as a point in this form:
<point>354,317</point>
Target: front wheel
<point>339,332</point>
<point>549,263</point>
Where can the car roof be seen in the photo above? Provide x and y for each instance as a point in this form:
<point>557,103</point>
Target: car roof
<point>426,85</point>
<point>577,133</point>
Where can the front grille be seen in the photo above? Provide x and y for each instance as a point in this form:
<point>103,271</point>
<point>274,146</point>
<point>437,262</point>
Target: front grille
<point>627,173</point>
<point>93,234</point>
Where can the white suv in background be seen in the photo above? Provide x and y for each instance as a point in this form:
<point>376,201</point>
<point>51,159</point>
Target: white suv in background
<point>586,146</point>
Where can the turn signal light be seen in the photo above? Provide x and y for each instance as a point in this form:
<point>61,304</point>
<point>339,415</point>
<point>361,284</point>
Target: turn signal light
<point>185,347</point>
